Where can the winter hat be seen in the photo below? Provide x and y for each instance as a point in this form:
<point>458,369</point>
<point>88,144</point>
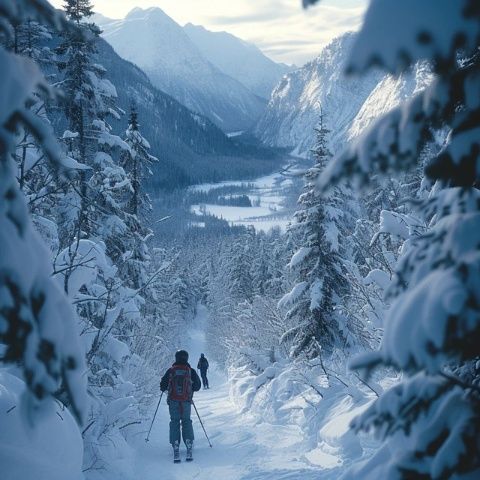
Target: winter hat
<point>181,356</point>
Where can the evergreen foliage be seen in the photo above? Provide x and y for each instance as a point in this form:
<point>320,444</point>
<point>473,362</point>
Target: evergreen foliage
<point>320,289</point>
<point>432,328</point>
<point>37,324</point>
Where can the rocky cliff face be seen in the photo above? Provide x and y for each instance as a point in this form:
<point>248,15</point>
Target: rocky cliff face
<point>297,101</point>
<point>349,103</point>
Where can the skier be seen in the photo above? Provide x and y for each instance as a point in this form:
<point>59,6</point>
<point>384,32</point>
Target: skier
<point>203,367</point>
<point>181,380</point>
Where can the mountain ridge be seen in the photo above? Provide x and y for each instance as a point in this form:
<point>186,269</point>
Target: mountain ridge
<point>238,58</point>
<point>176,66</point>
<point>350,104</point>
<point>189,146</point>
<point>319,87</point>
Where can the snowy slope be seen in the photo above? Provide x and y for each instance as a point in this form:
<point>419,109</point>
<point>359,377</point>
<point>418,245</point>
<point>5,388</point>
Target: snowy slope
<point>161,48</point>
<point>48,449</point>
<point>240,60</point>
<point>389,93</point>
<point>259,427</point>
<point>294,107</point>
<point>350,104</point>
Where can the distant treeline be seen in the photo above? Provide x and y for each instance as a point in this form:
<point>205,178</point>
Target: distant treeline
<point>233,195</point>
<point>174,222</point>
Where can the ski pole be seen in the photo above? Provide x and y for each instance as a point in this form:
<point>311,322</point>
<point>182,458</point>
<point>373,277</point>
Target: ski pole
<point>201,423</point>
<point>156,410</point>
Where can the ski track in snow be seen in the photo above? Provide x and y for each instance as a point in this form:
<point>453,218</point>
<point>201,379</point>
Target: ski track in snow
<point>243,448</point>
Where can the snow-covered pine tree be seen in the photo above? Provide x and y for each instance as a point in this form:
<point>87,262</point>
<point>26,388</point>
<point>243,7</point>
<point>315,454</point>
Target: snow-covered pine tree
<point>78,83</point>
<point>137,163</point>
<point>36,175</point>
<point>37,324</point>
<point>431,420</point>
<point>28,40</point>
<point>260,271</point>
<point>316,298</point>
<point>239,274</point>
<point>94,205</point>
<point>82,105</point>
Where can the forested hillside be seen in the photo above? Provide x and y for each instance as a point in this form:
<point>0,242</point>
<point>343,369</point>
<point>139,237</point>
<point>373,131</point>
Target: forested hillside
<point>191,148</point>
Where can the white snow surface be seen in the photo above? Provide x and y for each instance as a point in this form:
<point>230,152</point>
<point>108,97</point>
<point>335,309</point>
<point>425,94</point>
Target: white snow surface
<point>244,447</point>
<point>270,191</point>
<point>257,426</point>
<point>50,448</point>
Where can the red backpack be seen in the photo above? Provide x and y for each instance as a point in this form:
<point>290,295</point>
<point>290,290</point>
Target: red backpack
<point>180,383</point>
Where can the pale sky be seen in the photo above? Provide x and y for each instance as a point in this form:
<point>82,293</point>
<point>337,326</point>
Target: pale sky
<point>280,28</point>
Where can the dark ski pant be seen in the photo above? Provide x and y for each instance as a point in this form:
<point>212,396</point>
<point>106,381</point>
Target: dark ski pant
<point>203,373</point>
<point>180,413</point>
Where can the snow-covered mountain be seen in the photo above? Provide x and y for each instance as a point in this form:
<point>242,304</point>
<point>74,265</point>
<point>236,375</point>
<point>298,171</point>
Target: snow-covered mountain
<point>296,102</point>
<point>350,104</point>
<point>389,93</point>
<point>190,147</point>
<point>169,126</point>
<point>161,48</point>
<point>240,60</point>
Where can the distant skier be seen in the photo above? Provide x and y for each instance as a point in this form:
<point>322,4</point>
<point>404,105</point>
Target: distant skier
<point>181,380</point>
<point>203,367</point>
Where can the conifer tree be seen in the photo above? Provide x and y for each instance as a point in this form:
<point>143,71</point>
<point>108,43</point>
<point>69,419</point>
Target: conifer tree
<point>76,50</point>
<point>36,176</point>
<point>241,284</point>
<point>137,162</point>
<point>316,298</point>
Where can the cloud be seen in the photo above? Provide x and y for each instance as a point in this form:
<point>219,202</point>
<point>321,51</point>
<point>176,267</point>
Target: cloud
<point>289,34</point>
<point>280,28</point>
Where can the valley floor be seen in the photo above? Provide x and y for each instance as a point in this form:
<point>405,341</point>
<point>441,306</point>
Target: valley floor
<point>243,447</point>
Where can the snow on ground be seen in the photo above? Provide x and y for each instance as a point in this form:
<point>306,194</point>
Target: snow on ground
<point>44,447</point>
<point>267,194</point>
<point>244,447</point>
<point>235,134</point>
<point>265,182</point>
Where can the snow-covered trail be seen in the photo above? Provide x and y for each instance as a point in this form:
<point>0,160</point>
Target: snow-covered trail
<point>243,448</point>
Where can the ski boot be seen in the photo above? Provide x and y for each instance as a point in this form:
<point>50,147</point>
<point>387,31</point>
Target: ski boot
<point>189,445</point>
<point>176,453</point>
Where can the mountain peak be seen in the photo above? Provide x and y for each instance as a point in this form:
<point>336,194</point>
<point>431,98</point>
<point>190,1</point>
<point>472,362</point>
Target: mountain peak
<point>155,13</point>
<point>304,94</point>
<point>159,46</point>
